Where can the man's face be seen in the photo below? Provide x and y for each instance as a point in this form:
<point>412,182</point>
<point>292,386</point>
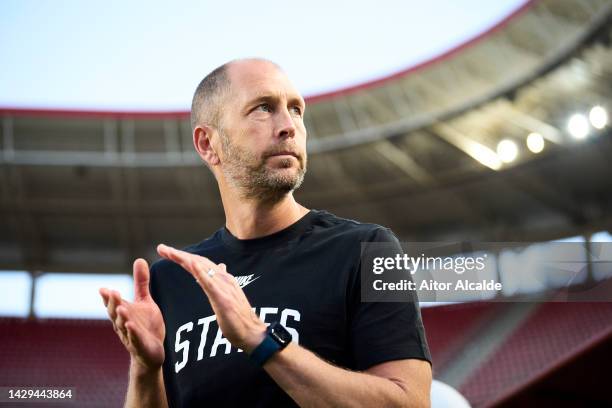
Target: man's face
<point>262,131</point>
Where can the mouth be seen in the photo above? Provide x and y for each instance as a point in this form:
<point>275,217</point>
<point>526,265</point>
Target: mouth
<point>284,154</point>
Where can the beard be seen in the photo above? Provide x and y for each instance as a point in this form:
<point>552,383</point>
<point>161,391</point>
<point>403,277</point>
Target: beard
<point>251,175</point>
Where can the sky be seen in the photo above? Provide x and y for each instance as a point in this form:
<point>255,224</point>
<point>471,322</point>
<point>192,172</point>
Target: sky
<point>150,55</point>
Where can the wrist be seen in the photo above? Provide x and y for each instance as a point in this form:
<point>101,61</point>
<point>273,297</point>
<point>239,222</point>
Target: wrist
<point>139,371</point>
<point>255,338</point>
<point>276,338</point>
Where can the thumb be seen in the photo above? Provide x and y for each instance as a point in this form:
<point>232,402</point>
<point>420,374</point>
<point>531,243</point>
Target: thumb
<point>141,279</point>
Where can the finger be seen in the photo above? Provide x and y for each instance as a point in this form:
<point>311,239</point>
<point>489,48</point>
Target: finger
<point>182,258</point>
<point>197,265</point>
<point>229,279</point>
<point>104,293</point>
<point>122,317</point>
<point>169,253</point>
<point>112,306</point>
<point>224,280</point>
<point>225,277</point>
<point>217,287</point>
<point>141,279</point>
<point>115,300</point>
<point>111,311</point>
<point>188,261</point>
<point>206,280</point>
<point>221,271</point>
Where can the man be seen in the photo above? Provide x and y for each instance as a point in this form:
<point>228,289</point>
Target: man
<point>206,341</point>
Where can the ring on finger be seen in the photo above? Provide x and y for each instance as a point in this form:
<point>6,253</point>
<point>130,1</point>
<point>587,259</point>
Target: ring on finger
<point>211,272</point>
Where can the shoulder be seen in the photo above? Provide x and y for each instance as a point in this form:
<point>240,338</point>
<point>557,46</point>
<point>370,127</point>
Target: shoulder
<point>350,228</point>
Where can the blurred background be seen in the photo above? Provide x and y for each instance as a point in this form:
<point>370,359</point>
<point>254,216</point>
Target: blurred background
<point>446,121</point>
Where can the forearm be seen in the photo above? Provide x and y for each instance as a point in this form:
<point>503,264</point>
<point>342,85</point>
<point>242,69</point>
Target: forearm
<point>312,382</point>
<point>145,389</point>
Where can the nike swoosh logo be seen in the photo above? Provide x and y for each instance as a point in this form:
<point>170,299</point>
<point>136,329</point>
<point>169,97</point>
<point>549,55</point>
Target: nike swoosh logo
<point>245,280</point>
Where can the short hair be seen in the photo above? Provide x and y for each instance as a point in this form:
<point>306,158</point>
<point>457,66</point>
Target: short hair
<point>205,106</point>
<point>208,96</point>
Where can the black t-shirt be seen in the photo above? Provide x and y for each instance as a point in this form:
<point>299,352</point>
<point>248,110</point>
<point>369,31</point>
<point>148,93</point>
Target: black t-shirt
<point>306,276</point>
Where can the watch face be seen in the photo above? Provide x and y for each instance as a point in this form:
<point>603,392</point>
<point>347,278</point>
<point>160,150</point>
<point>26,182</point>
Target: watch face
<point>280,334</point>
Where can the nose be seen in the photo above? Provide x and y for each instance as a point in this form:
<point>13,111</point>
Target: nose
<point>285,124</point>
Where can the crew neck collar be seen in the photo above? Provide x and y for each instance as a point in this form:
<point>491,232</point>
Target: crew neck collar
<point>269,241</point>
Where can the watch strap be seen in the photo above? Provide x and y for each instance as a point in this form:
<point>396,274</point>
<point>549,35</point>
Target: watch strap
<point>265,350</point>
<point>271,344</point>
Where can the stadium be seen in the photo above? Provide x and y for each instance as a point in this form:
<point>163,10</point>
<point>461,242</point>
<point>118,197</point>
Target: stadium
<point>504,139</point>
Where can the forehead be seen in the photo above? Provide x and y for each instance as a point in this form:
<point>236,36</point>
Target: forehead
<point>253,79</point>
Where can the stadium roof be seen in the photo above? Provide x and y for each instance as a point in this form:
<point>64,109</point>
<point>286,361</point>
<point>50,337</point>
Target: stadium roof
<point>418,152</point>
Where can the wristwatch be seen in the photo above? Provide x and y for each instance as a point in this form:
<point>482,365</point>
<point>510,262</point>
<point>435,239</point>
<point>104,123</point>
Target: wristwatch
<point>277,338</point>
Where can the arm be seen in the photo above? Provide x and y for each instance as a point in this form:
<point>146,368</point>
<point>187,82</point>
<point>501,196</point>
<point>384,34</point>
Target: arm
<point>309,380</point>
<point>312,382</point>
<point>145,388</point>
<point>140,327</point>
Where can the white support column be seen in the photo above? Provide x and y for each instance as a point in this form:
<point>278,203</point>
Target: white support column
<point>127,142</point>
<point>34,276</point>
<point>171,140</point>
<point>111,145</point>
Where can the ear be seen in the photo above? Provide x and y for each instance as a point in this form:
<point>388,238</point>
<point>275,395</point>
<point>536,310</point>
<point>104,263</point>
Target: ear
<point>202,141</point>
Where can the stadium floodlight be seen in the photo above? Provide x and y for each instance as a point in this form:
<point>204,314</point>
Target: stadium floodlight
<point>598,117</point>
<point>578,126</point>
<point>535,142</point>
<point>507,150</point>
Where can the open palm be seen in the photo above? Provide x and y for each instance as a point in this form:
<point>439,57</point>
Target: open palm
<point>138,324</point>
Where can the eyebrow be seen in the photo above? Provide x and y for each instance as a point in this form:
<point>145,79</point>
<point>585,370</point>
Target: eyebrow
<point>269,97</point>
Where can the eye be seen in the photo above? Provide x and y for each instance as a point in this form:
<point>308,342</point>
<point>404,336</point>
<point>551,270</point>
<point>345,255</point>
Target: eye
<point>265,107</point>
<point>297,110</point>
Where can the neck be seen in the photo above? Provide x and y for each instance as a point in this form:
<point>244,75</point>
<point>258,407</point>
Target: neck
<point>254,218</point>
